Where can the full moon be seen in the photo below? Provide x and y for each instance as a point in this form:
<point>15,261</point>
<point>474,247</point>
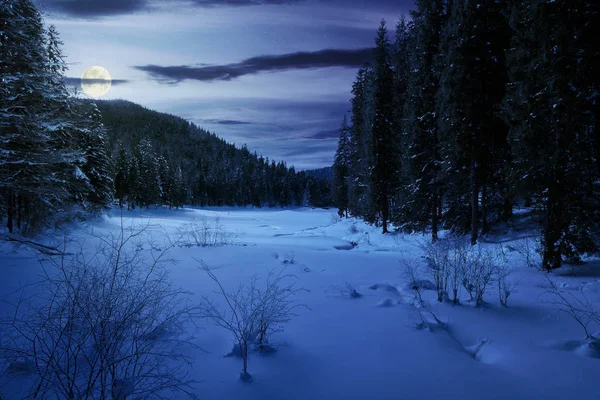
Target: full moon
<point>96,81</point>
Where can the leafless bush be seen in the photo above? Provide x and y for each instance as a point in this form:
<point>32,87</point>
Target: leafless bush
<point>353,229</point>
<point>581,308</point>
<point>506,287</point>
<point>253,312</point>
<point>423,308</point>
<point>105,324</point>
<point>480,268</point>
<point>205,233</point>
<point>346,290</point>
<point>458,249</point>
<point>437,257</point>
<point>531,251</point>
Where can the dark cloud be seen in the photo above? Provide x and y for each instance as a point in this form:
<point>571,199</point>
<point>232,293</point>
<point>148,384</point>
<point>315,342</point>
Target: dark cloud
<point>100,8</point>
<point>69,81</point>
<point>212,3</point>
<point>224,122</point>
<point>255,65</point>
<point>329,134</point>
<point>93,8</point>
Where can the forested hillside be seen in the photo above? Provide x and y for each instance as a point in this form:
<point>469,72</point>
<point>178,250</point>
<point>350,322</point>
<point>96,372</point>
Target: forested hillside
<point>62,156</point>
<point>474,107</point>
<point>163,159</point>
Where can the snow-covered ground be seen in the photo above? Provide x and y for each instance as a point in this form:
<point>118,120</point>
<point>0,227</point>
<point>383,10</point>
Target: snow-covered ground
<point>368,347</point>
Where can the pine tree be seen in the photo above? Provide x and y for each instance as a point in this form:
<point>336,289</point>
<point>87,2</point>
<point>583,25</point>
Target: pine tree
<point>166,182</point>
<point>339,185</point>
<point>96,165</point>
<point>121,174</point>
<point>148,190</point>
<point>38,160</point>
<point>384,168</point>
<point>401,71</point>
<point>422,160</point>
<point>472,84</point>
<point>552,141</point>
<point>361,161</point>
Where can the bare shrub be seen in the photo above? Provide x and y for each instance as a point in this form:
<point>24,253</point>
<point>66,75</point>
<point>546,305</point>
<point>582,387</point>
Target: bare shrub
<point>437,257</point>
<point>576,304</point>
<point>103,325</point>
<point>205,233</point>
<point>346,290</point>
<point>480,269</point>
<point>253,312</point>
<point>458,249</point>
<point>531,251</point>
<point>423,308</point>
<point>353,229</point>
<point>506,287</point>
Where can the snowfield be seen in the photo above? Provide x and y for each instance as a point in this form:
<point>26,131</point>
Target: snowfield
<point>367,347</point>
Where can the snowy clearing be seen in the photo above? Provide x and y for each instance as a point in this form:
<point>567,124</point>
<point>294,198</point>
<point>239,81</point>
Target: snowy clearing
<point>359,336</point>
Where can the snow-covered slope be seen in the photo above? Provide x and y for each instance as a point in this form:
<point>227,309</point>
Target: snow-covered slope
<point>367,347</point>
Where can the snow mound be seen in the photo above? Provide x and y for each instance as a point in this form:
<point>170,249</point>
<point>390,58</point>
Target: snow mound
<point>480,351</point>
<point>589,347</point>
<point>385,287</point>
<point>421,284</point>
<point>387,303</point>
<point>346,246</point>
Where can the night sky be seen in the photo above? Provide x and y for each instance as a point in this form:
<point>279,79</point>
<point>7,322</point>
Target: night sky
<point>273,74</point>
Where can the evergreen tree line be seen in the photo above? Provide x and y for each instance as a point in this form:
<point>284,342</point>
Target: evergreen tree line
<point>53,158</point>
<point>161,159</point>
<point>472,108</point>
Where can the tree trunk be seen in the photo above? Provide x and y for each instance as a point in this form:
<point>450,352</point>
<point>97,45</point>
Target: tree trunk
<point>485,227</point>
<point>385,213</point>
<point>244,348</point>
<point>434,215</point>
<point>507,209</point>
<point>474,205</point>
<point>552,231</point>
<point>20,206</point>
<point>10,212</point>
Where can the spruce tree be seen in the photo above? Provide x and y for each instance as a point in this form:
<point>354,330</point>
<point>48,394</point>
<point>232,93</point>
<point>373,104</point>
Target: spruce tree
<point>401,68</point>
<point>339,185</point>
<point>552,141</point>
<point>422,159</point>
<point>361,160</point>
<point>382,137</point>
<point>471,134</point>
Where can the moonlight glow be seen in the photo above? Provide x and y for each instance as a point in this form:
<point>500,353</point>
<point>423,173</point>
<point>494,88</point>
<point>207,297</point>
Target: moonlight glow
<point>96,82</point>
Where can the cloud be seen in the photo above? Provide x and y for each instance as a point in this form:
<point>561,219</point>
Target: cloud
<point>102,8</point>
<point>329,134</point>
<point>211,3</point>
<point>224,122</point>
<point>93,8</point>
<point>255,65</point>
<point>69,81</point>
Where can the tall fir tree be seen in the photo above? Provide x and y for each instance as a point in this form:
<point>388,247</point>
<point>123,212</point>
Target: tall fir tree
<point>553,142</point>
<point>401,68</point>
<point>422,159</point>
<point>471,134</point>
<point>361,160</point>
<point>384,161</point>
<point>341,163</point>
